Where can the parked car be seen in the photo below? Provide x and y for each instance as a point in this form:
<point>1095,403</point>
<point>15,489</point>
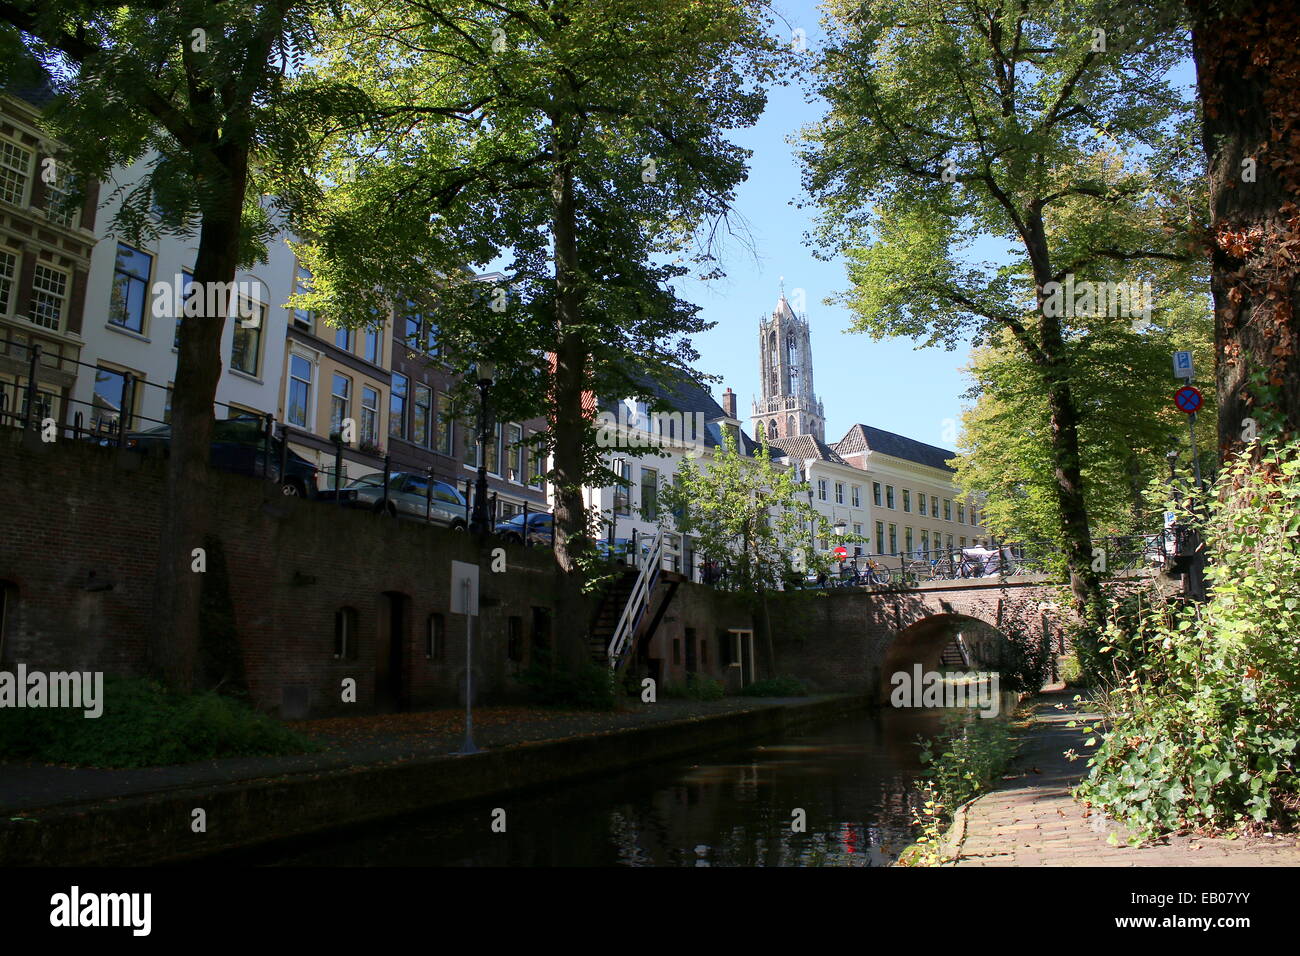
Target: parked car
<point>239,445</point>
<point>540,529</point>
<point>409,494</point>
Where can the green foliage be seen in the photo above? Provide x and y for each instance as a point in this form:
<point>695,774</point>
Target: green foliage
<point>143,725</point>
<point>776,687</point>
<point>1072,671</point>
<point>696,687</point>
<point>744,513</point>
<point>1200,729</point>
<point>588,687</point>
<point>969,754</point>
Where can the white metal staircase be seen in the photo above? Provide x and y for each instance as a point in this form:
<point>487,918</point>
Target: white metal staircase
<point>638,602</point>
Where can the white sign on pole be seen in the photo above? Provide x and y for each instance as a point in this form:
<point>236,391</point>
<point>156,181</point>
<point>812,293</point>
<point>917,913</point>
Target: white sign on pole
<point>461,603</point>
<point>1183,365</point>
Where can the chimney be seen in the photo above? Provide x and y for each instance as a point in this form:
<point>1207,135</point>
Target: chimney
<point>729,403</point>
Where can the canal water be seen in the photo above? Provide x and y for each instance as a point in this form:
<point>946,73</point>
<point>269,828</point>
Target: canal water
<point>853,780</point>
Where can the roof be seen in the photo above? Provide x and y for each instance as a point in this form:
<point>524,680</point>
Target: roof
<point>690,397</point>
<point>804,447</point>
<point>864,438</point>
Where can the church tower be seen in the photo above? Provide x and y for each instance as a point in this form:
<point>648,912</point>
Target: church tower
<point>789,406</point>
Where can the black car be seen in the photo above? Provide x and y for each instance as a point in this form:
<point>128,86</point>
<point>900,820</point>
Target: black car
<point>539,531</point>
<point>239,445</point>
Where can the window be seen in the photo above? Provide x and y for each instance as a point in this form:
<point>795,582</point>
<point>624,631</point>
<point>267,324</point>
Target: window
<point>369,415</point>
<point>889,495</point>
<point>15,169</point>
<point>60,200</point>
<point>446,424</point>
<point>345,634</point>
<point>515,639</point>
<point>907,500</point>
<point>821,489</point>
<point>246,342</point>
<point>303,318</point>
<point>893,539</point>
<point>920,504</point>
<point>961,513</point>
<point>907,540</point>
<point>538,477</point>
<point>344,339</point>
<point>949,542</point>
<point>494,451</point>
<point>340,402</point>
<point>962,542</point>
<point>925,541</point>
<point>298,401</point>
<point>110,399</point>
<point>397,407</point>
<point>130,288</point>
<point>186,278</point>
<point>518,454</point>
<point>374,338</point>
<point>880,537</point>
<point>677,651</point>
<point>839,492</point>
<point>422,416</point>
<point>622,489</point>
<point>938,541</point>
<point>934,506</point>
<point>413,321</point>
<point>435,641</point>
<point>8,274</point>
<point>49,288</point>
<point>875,492</point>
<point>857,496</point>
<point>947,509</point>
<point>649,494</point>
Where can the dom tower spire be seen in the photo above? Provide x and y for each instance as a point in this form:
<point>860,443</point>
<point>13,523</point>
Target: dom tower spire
<point>789,405</point>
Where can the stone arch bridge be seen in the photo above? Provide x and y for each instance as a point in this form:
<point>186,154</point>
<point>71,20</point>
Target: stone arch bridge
<point>852,639</point>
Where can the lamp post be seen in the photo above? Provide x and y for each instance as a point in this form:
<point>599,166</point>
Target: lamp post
<point>478,522</point>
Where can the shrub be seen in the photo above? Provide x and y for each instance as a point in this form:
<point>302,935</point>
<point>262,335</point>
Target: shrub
<point>696,688</point>
<point>589,687</point>
<point>1201,727</point>
<point>143,725</point>
<point>1072,671</point>
<point>963,761</point>
<point>776,687</point>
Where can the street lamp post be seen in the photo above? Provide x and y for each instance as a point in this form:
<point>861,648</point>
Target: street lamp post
<point>478,522</point>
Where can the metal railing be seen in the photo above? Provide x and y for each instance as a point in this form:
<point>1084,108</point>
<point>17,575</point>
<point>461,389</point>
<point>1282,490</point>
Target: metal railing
<point>638,602</point>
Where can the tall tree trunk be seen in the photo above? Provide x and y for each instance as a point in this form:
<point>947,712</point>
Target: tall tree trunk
<point>1248,71</point>
<point>568,419</point>
<point>185,513</point>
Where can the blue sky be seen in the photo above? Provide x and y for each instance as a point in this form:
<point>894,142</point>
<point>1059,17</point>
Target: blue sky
<point>888,384</point>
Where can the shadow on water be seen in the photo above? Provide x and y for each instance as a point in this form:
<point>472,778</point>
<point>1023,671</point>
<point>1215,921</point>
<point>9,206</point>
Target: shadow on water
<point>852,778</point>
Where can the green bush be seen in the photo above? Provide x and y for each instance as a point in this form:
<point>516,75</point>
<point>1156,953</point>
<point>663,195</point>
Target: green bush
<point>1200,729</point>
<point>962,762</point>
<point>590,687</point>
<point>776,687</point>
<point>1072,671</point>
<point>143,725</point>
<point>696,688</point>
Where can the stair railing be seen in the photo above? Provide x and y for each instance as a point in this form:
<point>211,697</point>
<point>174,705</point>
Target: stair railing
<point>637,602</point>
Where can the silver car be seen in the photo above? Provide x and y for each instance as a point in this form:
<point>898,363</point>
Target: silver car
<point>409,495</point>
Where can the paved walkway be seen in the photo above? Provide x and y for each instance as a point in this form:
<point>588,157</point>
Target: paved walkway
<point>352,741</point>
<point>1032,820</point>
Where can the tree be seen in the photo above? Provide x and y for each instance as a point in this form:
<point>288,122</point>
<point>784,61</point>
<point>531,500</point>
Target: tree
<point>1248,71</point>
<point>583,145</point>
<point>200,85</point>
<point>1048,126</point>
<point>1127,423</point>
<point>751,517</point>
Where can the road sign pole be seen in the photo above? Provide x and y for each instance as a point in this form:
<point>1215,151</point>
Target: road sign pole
<point>1196,458</point>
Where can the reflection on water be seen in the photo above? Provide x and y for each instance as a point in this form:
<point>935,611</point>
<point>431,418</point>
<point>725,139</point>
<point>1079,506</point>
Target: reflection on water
<point>853,779</point>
